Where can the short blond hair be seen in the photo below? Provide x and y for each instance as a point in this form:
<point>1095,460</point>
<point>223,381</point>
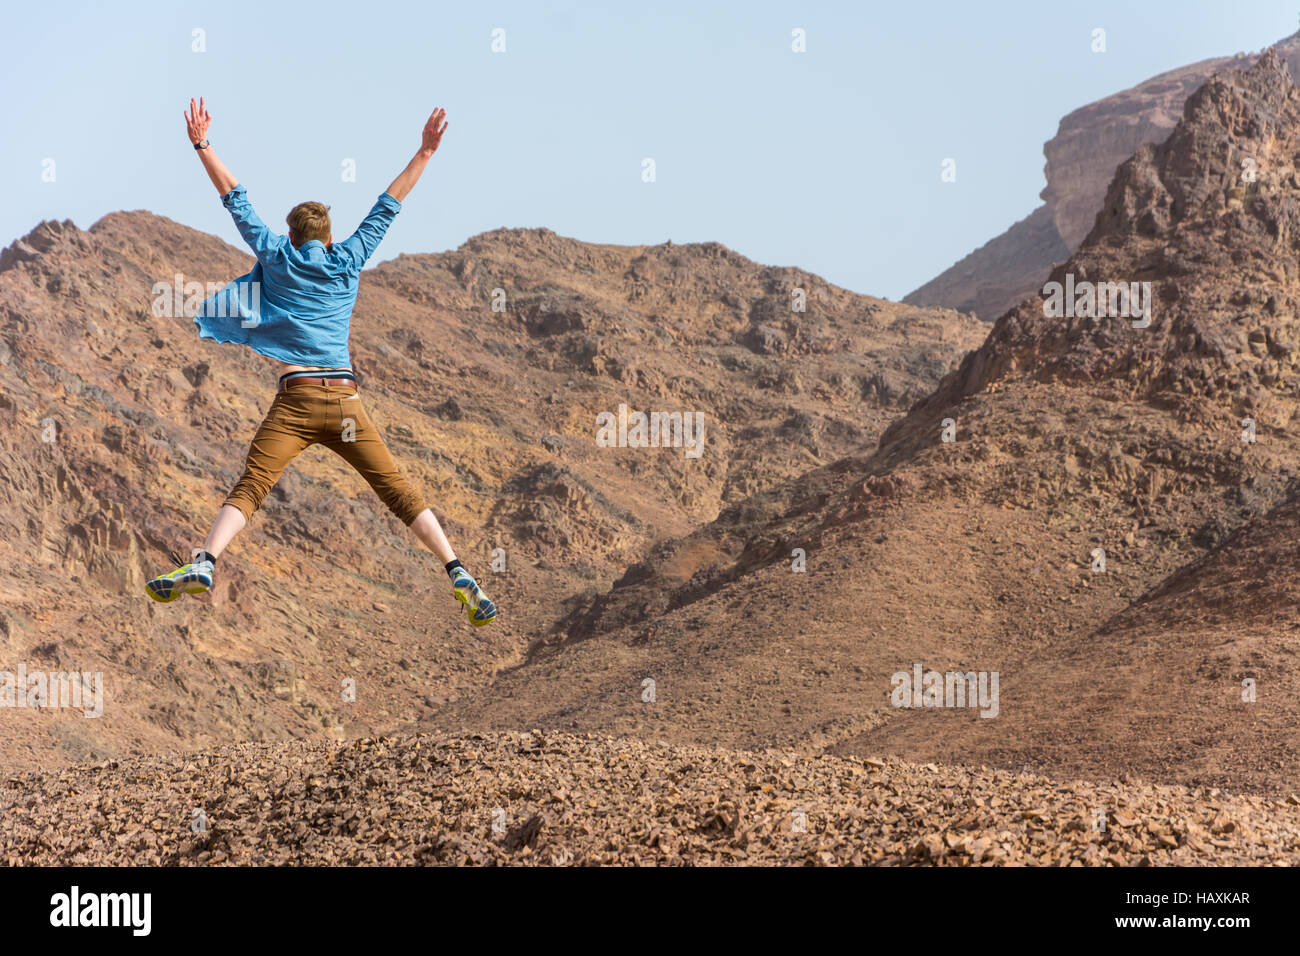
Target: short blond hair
<point>308,221</point>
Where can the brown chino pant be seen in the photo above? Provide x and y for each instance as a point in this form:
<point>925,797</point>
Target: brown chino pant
<point>304,415</point>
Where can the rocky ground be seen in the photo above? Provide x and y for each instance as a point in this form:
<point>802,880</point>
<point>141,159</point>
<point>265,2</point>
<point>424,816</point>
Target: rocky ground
<point>558,799</point>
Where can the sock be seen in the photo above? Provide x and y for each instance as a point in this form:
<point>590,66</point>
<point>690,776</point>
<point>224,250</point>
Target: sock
<point>452,565</point>
<point>205,556</point>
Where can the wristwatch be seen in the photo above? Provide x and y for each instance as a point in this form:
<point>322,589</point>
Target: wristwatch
<point>202,144</point>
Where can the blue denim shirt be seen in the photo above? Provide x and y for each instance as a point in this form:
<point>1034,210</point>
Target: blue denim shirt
<point>296,304</point>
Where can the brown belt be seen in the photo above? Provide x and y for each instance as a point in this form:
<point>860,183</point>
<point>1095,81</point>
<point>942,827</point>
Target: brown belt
<point>304,380</point>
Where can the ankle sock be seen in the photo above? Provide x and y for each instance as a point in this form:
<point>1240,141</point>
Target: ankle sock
<point>205,556</point>
<point>451,566</point>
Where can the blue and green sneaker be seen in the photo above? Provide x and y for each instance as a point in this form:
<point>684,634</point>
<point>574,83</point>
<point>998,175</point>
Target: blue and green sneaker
<point>192,578</point>
<point>481,609</point>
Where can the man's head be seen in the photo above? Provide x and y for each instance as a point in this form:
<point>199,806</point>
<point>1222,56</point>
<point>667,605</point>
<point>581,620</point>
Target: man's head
<point>308,221</point>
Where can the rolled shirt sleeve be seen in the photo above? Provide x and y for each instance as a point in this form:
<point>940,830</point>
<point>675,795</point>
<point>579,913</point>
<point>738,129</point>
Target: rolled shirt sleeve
<point>361,245</point>
<point>255,232</point>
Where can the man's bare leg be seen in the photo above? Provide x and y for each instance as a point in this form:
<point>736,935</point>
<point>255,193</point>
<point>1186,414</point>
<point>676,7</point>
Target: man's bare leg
<point>426,528</point>
<point>230,521</point>
<point>467,591</point>
<point>196,576</point>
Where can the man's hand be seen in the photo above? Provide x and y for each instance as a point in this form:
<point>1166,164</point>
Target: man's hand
<point>196,124</point>
<point>432,135</point>
<point>429,141</point>
<point>197,121</point>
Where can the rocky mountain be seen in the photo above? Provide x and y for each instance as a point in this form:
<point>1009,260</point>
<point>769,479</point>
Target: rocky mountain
<point>1093,458</point>
<point>122,432</point>
<point>1081,160</point>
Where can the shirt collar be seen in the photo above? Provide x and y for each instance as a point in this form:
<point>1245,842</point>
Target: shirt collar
<point>313,249</point>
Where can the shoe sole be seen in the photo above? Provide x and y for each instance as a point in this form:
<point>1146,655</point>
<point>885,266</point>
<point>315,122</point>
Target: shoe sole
<point>194,587</point>
<point>463,598</point>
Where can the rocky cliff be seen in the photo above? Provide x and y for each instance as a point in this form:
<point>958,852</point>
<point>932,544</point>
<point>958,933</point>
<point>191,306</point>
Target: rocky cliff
<point>1081,159</point>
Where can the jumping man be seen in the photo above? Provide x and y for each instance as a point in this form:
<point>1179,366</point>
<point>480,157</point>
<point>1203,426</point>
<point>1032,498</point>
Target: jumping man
<point>295,306</point>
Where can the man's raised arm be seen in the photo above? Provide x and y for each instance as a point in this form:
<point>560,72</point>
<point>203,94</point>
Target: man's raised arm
<point>197,121</point>
<point>429,140</point>
<point>361,245</point>
<point>259,238</point>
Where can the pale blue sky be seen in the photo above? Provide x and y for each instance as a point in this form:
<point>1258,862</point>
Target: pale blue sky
<point>828,160</point>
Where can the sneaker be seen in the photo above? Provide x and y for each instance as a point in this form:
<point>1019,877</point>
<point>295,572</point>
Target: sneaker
<point>193,578</point>
<point>481,609</point>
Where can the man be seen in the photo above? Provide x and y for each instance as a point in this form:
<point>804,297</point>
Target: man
<point>295,306</point>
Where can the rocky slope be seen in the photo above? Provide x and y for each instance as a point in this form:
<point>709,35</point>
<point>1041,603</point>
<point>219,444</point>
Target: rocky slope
<point>1081,159</point>
<point>557,799</point>
<point>1071,435</point>
<point>122,431</point>
<point>1201,667</point>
